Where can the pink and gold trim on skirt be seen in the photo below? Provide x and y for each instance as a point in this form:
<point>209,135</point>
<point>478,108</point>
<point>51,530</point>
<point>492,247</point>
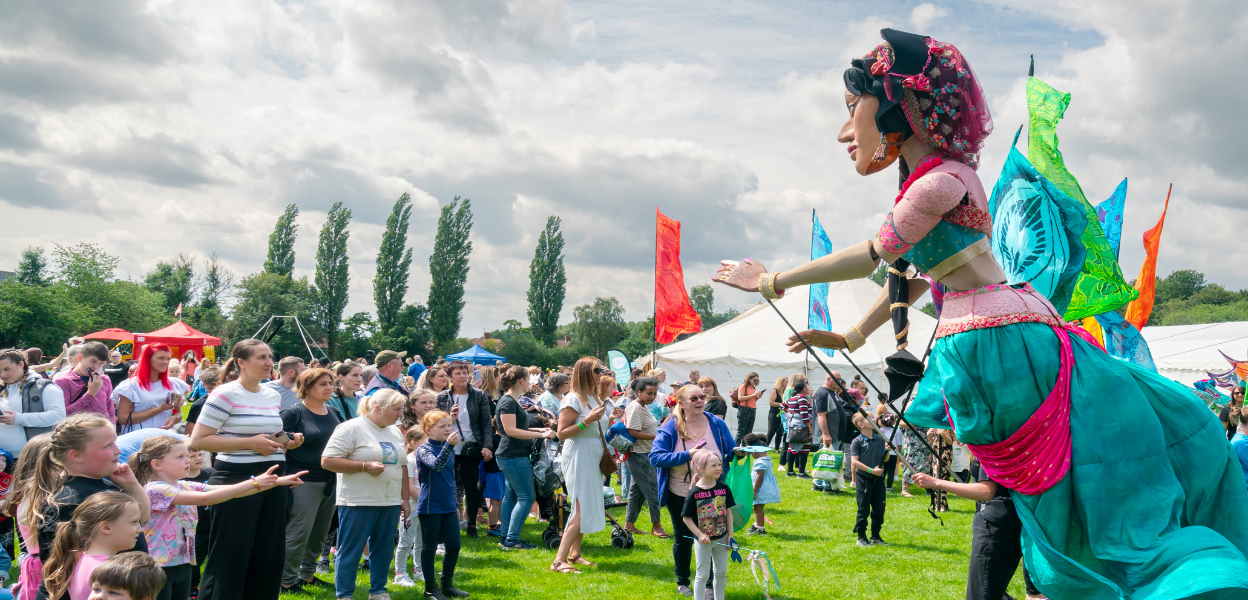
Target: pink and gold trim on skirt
<point>994,305</point>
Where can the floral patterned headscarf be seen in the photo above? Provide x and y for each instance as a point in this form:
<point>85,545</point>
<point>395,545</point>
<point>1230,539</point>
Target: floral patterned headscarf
<point>932,85</point>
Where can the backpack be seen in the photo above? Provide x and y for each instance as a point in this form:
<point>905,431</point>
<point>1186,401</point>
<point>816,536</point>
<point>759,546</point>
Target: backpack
<point>32,402</point>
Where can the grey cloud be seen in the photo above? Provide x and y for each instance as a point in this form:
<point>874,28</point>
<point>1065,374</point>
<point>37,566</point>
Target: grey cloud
<point>158,159</point>
<point>608,202</point>
<point>316,184</point>
<point>18,133</point>
<point>60,84</point>
<point>127,30</point>
<point>24,186</point>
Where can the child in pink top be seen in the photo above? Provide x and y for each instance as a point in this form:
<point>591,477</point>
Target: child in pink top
<point>28,482</point>
<point>103,525</point>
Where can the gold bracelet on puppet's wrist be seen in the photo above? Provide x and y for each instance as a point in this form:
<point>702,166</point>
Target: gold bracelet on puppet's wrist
<point>854,339</point>
<point>767,286</point>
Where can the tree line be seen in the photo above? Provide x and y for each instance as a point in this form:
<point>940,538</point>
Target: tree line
<point>75,289</point>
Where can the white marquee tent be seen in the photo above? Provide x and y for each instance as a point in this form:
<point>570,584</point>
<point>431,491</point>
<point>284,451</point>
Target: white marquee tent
<point>1186,352</point>
<point>755,341</point>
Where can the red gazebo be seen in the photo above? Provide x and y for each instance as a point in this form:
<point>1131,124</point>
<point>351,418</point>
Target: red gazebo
<point>179,336</point>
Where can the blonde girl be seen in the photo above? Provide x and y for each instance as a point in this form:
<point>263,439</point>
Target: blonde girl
<point>409,527</point>
<point>30,482</point>
<point>160,464</point>
<point>103,525</point>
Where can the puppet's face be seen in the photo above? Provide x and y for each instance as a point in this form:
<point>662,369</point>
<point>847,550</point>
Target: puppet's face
<point>862,137</point>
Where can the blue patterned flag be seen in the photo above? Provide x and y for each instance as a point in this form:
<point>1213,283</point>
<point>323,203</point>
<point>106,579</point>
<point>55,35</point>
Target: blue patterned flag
<point>1124,341</point>
<point>1109,213</point>
<point>818,317</point>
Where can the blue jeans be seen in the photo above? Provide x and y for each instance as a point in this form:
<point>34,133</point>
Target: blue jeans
<point>519,497</point>
<point>376,526</point>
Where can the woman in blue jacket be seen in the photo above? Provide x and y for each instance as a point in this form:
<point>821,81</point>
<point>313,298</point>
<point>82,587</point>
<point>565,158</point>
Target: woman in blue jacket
<point>691,428</point>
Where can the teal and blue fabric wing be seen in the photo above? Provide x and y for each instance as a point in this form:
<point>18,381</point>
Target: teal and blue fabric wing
<point>1124,341</point>
<point>1036,230</point>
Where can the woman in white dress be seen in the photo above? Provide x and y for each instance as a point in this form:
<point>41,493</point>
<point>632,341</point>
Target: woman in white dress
<point>581,427</point>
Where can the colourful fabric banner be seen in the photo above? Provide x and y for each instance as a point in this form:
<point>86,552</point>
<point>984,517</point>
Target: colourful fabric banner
<point>818,316</point>
<point>1140,309</point>
<point>1109,214</point>
<point>1123,340</point>
<point>1100,287</point>
<point>1036,230</point>
<point>673,312</point>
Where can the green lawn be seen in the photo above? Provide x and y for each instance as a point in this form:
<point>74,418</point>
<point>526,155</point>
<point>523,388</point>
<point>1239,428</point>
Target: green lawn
<point>811,545</point>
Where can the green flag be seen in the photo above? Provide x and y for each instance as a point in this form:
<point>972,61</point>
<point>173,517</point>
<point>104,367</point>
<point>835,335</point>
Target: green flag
<point>1100,287</point>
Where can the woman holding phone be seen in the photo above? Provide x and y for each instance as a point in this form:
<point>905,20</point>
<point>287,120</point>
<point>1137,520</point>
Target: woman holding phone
<point>148,399</point>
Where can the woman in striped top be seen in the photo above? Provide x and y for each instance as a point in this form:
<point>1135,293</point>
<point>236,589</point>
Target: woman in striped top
<point>797,407</point>
<point>241,423</point>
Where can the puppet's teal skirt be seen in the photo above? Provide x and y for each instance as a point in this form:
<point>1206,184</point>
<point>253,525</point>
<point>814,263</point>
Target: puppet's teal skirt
<point>1154,506</point>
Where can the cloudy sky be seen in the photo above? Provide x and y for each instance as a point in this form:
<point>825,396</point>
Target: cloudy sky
<point>161,127</point>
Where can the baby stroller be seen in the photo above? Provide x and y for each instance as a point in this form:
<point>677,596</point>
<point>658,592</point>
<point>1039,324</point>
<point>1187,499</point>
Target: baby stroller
<point>553,534</point>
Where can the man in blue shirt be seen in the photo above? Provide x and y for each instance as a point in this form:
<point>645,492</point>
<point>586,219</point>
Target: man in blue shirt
<point>416,368</point>
<point>389,369</point>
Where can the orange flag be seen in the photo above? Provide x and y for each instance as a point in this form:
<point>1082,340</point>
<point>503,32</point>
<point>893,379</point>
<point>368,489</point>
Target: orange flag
<point>673,312</point>
<point>1141,308</point>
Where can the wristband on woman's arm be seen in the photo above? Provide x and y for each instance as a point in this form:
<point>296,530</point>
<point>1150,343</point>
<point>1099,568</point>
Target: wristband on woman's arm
<point>581,426</point>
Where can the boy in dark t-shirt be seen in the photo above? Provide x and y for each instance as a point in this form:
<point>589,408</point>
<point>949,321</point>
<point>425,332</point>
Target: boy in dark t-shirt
<point>866,454</point>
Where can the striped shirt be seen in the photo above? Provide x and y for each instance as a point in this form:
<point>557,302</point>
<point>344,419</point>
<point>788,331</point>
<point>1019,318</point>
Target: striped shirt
<point>235,412</point>
<point>798,407</point>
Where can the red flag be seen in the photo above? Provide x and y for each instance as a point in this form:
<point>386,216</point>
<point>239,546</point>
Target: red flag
<point>673,312</point>
<point>1141,308</point>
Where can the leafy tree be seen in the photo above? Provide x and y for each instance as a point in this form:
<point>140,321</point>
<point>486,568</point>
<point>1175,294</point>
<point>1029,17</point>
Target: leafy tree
<point>599,326</point>
<point>703,299</point>
<point>332,276</point>
<point>394,263</point>
<point>33,269</point>
<point>547,282</point>
<point>448,266</point>
<point>281,256</point>
<point>216,284</point>
<point>409,332</point>
<point>174,281</point>
<point>84,264</point>
<point>35,315</point>
<point>263,295</point>
<point>1180,285</point>
<point>1213,294</point>
<point>356,336</point>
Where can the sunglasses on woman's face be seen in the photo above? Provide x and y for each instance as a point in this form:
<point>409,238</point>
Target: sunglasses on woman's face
<point>697,397</point>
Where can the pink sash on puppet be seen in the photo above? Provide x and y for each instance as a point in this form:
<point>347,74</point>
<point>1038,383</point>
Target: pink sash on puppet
<point>1037,456</point>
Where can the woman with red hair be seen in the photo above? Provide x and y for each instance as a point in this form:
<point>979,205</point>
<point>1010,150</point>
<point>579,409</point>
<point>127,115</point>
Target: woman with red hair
<point>150,398</point>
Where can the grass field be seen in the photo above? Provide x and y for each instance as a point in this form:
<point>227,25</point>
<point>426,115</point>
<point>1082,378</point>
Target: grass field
<point>811,545</point>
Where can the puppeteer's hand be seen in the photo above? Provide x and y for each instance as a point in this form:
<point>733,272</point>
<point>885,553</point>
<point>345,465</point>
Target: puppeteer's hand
<point>818,339</point>
<point>741,275</point>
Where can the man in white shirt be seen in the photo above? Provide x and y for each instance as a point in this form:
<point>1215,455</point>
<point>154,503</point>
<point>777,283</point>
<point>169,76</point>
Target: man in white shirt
<point>29,404</point>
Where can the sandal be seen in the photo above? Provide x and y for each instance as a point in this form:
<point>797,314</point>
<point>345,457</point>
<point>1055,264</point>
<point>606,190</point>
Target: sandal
<point>633,530</point>
<point>562,567</point>
<point>580,560</point>
<point>659,533</point>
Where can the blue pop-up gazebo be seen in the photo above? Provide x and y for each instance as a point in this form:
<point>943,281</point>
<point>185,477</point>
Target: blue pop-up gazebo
<point>477,356</point>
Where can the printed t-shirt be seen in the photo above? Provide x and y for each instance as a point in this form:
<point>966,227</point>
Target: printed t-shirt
<point>708,507</point>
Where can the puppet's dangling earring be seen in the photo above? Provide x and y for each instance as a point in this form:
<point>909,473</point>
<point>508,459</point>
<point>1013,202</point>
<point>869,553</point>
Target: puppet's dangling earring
<point>887,152</point>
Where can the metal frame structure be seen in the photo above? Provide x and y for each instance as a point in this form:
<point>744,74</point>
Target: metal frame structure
<point>303,333</point>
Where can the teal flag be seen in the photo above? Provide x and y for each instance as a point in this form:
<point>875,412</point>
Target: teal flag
<point>817,315</point>
<point>619,365</point>
<point>1110,212</point>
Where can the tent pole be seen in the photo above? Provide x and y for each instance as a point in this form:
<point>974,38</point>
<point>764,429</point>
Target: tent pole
<point>654,307</point>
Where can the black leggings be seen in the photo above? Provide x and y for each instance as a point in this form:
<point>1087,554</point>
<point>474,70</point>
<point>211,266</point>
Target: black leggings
<point>439,529</point>
<point>798,459</point>
<point>248,546</point>
<point>177,583</point>
<point>682,538</point>
<point>775,433</point>
<point>467,475</point>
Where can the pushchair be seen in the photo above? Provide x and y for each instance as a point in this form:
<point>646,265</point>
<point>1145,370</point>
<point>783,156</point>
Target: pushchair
<point>548,479</point>
<point>553,534</point>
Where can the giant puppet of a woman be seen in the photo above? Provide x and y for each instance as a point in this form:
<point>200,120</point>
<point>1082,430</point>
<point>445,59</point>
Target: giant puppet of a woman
<point>1124,481</point>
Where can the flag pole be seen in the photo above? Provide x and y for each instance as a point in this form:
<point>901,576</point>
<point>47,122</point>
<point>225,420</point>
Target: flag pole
<point>654,297</point>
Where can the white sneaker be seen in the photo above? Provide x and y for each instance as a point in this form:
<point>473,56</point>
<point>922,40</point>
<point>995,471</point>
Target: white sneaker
<point>418,576</point>
<point>402,580</point>
<point>381,596</point>
<point>441,551</point>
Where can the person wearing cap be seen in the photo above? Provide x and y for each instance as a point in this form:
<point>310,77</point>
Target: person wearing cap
<point>389,365</point>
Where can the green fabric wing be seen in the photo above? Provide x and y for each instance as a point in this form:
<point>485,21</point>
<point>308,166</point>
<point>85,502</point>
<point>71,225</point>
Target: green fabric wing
<point>1101,286</point>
